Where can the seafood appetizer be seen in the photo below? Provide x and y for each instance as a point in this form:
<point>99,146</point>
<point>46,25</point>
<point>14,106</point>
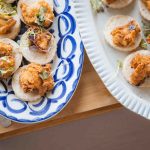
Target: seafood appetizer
<point>31,82</point>
<point>10,58</point>
<point>9,21</point>
<point>117,3</point>
<point>123,33</point>
<point>38,45</point>
<point>136,68</point>
<point>144,6</point>
<point>36,12</point>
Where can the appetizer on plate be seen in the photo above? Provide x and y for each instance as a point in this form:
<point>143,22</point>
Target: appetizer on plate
<point>10,58</point>
<point>123,33</point>
<point>9,21</point>
<point>136,68</point>
<point>31,82</point>
<point>117,3</point>
<point>38,45</point>
<point>36,12</point>
<point>144,6</point>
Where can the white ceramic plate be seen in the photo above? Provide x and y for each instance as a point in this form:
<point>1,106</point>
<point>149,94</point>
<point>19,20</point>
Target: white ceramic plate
<point>104,58</point>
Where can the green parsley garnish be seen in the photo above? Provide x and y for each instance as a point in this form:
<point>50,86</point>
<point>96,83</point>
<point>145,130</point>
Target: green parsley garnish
<point>2,72</point>
<point>31,34</point>
<point>97,5</point>
<point>40,16</point>
<point>7,9</point>
<point>4,58</point>
<point>44,75</point>
<point>146,28</point>
<point>143,44</point>
<point>119,64</point>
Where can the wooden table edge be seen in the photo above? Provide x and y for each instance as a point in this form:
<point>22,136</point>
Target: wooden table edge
<point>56,122</point>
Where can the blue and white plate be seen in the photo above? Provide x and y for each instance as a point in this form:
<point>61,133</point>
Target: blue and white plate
<point>67,67</point>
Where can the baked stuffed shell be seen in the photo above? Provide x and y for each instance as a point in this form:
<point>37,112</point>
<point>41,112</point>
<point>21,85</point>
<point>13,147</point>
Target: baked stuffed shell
<point>136,68</point>
<point>33,81</point>
<point>123,33</point>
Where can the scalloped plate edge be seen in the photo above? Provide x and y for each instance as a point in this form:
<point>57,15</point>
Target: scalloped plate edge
<point>98,60</point>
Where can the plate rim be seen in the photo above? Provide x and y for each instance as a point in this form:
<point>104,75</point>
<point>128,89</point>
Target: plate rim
<point>133,103</point>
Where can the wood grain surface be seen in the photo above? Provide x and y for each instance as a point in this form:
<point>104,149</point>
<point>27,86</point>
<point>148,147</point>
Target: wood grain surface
<point>91,98</point>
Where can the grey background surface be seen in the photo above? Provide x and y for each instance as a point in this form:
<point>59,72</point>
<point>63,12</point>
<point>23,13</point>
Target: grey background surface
<point>117,130</point>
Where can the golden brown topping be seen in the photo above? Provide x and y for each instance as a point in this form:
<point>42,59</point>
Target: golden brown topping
<point>40,38</point>
<point>5,49</point>
<point>6,23</point>
<point>36,78</point>
<point>110,1</point>
<point>42,41</point>
<point>29,15</point>
<point>48,13</point>
<point>7,61</point>
<point>41,15</point>
<point>7,64</point>
<point>126,35</point>
<point>141,66</point>
<point>147,3</point>
<point>138,59</point>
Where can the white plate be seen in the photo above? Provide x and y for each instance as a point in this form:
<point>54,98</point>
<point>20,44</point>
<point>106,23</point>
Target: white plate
<point>104,58</point>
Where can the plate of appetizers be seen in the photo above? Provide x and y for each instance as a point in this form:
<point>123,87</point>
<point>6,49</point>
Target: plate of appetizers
<point>116,36</point>
<point>41,58</point>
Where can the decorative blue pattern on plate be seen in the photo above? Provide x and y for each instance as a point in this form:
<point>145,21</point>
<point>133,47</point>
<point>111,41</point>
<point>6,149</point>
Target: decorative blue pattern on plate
<point>66,67</point>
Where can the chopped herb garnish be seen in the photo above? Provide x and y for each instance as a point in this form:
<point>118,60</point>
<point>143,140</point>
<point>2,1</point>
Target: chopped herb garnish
<point>146,28</point>
<point>11,69</point>
<point>143,44</point>
<point>4,58</point>
<point>119,64</point>
<point>2,72</point>
<point>31,35</point>
<point>97,5</point>
<point>40,16</point>
<point>7,9</point>
<point>44,75</point>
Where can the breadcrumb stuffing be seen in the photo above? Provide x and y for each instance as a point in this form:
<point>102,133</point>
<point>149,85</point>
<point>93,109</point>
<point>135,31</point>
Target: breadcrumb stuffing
<point>141,66</point>
<point>36,78</point>
<point>125,36</point>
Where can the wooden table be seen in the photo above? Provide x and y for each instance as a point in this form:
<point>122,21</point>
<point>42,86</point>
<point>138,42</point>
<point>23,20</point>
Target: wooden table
<point>91,98</point>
